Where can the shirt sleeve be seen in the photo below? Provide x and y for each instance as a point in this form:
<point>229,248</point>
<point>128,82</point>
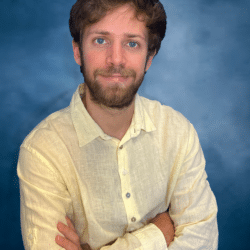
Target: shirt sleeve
<point>44,200</point>
<point>149,237</point>
<point>193,206</point>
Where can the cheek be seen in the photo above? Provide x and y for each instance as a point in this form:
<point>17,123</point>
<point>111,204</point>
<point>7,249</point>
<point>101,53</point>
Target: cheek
<point>90,60</point>
<point>138,64</point>
<point>96,60</point>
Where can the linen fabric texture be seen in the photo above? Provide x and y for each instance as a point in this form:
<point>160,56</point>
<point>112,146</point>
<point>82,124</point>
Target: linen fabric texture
<point>110,188</point>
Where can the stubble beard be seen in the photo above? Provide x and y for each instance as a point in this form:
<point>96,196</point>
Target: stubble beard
<point>116,96</point>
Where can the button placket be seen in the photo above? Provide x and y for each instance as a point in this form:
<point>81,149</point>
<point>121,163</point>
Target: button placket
<point>129,202</point>
<point>133,219</point>
<point>124,172</point>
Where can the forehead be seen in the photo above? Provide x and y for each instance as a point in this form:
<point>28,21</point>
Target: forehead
<point>119,22</point>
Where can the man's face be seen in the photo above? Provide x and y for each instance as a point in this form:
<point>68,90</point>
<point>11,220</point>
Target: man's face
<point>113,56</point>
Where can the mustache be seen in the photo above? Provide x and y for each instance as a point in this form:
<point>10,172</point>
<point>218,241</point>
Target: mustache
<point>112,70</point>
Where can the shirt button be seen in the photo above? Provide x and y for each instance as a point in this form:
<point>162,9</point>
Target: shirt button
<point>128,195</point>
<point>121,147</point>
<point>133,219</point>
<point>124,172</point>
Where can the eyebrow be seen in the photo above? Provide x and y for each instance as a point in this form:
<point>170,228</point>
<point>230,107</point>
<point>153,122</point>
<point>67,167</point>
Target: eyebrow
<point>129,35</point>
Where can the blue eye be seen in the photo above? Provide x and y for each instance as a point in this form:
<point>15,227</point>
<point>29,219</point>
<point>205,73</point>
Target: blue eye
<point>100,41</point>
<point>132,44</point>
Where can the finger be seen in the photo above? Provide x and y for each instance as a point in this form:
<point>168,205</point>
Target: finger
<point>65,243</point>
<point>68,233</point>
<point>70,224</point>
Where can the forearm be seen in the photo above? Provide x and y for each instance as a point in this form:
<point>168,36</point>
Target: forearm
<point>193,204</point>
<point>147,238</point>
<point>197,236</point>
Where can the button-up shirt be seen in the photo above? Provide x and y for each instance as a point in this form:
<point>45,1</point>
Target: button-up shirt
<point>110,188</point>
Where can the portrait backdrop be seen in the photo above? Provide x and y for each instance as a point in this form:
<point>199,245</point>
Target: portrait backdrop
<point>201,70</point>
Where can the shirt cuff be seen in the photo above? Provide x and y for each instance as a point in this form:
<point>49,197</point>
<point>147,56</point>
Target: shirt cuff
<point>151,237</point>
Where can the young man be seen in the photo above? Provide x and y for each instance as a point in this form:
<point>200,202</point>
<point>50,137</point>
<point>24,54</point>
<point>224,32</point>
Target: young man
<point>110,165</point>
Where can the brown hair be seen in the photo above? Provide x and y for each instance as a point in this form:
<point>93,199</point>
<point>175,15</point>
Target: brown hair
<point>87,12</point>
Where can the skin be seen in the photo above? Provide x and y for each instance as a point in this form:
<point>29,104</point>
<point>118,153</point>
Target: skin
<point>114,67</point>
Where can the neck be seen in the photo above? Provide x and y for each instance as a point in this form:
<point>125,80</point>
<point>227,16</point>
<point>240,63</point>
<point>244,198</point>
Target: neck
<point>113,122</point>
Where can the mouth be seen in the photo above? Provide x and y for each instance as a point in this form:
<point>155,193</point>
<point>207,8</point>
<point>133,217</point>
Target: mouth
<point>115,78</point>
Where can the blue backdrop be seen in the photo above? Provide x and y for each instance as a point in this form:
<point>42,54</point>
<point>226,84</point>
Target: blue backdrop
<point>202,70</point>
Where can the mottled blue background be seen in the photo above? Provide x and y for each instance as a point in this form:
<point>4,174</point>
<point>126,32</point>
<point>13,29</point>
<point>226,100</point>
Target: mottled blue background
<point>202,70</point>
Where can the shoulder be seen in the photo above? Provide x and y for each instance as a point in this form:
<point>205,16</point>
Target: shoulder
<point>49,130</point>
<point>161,114</point>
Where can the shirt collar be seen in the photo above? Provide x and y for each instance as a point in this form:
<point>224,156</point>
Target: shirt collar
<point>87,129</point>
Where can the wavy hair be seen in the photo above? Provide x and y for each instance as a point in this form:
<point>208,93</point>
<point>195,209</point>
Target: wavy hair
<point>88,12</point>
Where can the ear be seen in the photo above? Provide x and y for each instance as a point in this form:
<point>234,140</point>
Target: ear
<point>76,51</point>
<point>149,62</point>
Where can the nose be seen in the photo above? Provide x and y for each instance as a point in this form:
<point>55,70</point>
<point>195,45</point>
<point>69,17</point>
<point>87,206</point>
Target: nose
<point>116,55</point>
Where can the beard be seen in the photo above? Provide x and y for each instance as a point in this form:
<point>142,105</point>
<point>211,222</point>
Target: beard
<point>115,96</point>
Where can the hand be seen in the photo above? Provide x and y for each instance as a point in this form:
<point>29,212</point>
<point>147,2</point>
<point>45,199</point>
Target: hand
<point>166,225</point>
<point>71,240</point>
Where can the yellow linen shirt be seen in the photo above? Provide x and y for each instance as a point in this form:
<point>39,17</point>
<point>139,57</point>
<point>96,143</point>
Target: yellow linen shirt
<point>110,189</point>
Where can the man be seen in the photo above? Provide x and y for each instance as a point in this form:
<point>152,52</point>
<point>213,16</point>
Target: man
<point>102,173</point>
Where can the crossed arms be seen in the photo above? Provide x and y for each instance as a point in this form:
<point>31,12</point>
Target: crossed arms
<point>47,194</point>
<point>71,240</point>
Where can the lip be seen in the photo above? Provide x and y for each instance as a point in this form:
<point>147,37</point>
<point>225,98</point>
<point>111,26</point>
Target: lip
<point>115,77</point>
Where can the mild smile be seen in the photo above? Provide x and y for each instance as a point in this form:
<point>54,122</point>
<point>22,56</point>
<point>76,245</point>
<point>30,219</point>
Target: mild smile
<point>115,77</point>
